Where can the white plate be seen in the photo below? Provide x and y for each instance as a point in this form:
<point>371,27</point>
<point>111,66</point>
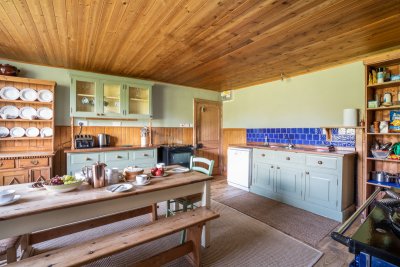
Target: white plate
<point>44,113</point>
<point>146,183</point>
<point>27,113</point>
<point>28,94</point>
<point>46,132</point>
<point>16,198</point>
<point>4,131</point>
<point>45,96</point>
<point>9,93</point>
<point>17,132</point>
<point>179,170</point>
<point>32,132</point>
<point>119,188</point>
<point>11,111</point>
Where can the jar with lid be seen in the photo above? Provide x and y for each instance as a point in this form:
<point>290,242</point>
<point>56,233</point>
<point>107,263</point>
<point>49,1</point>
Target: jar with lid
<point>380,76</point>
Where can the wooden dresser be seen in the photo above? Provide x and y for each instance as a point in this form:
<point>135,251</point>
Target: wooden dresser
<point>26,159</point>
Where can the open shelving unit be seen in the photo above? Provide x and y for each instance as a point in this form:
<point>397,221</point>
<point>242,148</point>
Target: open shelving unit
<point>381,113</point>
<point>15,144</point>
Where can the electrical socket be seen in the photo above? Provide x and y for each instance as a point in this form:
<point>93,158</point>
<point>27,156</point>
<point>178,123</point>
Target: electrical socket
<point>181,125</point>
<point>82,123</point>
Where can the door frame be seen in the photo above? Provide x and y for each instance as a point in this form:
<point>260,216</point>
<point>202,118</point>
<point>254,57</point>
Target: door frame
<point>197,101</point>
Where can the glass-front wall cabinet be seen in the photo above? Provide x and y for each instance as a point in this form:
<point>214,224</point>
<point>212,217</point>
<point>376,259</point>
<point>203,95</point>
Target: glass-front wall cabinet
<point>112,99</point>
<point>138,100</point>
<point>100,95</point>
<point>83,99</point>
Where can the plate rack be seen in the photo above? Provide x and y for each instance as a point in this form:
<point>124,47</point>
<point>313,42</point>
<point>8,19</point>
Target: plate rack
<point>9,144</point>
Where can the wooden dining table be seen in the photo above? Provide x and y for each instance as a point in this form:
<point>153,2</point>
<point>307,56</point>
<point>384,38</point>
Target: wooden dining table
<point>38,210</point>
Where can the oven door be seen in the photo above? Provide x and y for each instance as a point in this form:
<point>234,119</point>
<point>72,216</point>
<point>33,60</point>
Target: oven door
<point>180,157</point>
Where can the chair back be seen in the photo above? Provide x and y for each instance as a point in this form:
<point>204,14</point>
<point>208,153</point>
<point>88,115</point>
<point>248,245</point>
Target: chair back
<point>209,163</point>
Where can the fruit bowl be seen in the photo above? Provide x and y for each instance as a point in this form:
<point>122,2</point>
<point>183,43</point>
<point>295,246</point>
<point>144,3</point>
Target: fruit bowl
<point>63,188</point>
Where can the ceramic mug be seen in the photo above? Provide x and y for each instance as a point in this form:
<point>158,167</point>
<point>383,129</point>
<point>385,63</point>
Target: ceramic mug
<point>142,179</point>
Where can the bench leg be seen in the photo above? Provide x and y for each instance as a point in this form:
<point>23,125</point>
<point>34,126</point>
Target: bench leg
<point>154,212</point>
<point>194,234</point>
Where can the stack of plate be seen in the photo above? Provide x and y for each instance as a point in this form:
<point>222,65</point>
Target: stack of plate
<point>4,131</point>
<point>17,132</point>
<point>11,111</point>
<point>45,96</point>
<point>46,132</point>
<point>27,113</point>
<point>44,113</point>
<point>28,94</point>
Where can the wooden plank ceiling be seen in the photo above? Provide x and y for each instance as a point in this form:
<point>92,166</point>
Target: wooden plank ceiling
<point>211,44</point>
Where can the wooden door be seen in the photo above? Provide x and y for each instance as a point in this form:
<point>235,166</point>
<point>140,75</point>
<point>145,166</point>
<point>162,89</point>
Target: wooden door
<point>40,174</point>
<point>207,131</point>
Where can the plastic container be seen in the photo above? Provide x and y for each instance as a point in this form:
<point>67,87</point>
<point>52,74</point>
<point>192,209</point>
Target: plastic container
<point>380,154</point>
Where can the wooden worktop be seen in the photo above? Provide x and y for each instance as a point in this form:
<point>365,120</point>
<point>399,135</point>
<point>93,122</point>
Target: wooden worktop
<point>109,148</point>
<point>299,149</point>
<point>35,201</point>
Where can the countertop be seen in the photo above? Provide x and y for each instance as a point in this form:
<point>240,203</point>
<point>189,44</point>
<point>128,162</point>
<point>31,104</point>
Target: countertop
<point>109,148</point>
<point>310,150</point>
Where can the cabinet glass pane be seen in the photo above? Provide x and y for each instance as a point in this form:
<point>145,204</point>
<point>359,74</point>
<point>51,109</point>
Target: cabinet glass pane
<point>85,96</point>
<point>112,98</point>
<point>138,100</point>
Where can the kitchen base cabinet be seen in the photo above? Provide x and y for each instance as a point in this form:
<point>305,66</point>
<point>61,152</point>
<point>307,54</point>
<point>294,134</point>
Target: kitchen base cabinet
<point>317,183</point>
<point>40,174</point>
<point>143,158</point>
<point>14,177</point>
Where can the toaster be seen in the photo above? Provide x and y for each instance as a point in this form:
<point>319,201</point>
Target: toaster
<point>83,141</point>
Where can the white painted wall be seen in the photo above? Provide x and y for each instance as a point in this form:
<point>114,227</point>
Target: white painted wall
<point>311,100</point>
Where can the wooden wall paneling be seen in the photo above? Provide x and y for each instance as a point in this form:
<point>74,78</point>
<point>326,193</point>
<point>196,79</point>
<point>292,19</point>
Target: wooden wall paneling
<point>189,42</point>
<point>231,136</point>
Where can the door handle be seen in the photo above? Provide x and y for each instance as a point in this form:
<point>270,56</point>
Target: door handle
<point>272,167</point>
<point>319,162</point>
<point>287,158</point>
<point>307,173</point>
<point>262,155</point>
<point>278,168</point>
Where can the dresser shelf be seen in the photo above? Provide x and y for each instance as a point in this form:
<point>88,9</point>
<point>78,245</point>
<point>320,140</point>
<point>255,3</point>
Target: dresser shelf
<point>24,138</point>
<point>384,85</point>
<point>386,160</point>
<point>25,102</point>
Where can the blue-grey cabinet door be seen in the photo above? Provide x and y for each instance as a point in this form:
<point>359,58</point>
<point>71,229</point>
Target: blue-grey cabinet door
<point>321,189</point>
<point>289,182</point>
<point>263,176</point>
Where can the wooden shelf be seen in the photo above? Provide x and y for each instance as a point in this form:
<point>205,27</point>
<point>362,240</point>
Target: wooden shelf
<point>24,120</point>
<point>24,138</point>
<point>385,84</point>
<point>112,97</point>
<point>25,102</point>
<point>85,95</point>
<point>386,160</point>
<point>341,126</point>
<point>385,108</point>
<point>383,133</point>
<point>383,184</point>
<point>138,99</point>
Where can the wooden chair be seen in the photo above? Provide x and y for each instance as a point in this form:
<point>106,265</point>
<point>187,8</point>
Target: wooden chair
<point>188,202</point>
<point>8,248</point>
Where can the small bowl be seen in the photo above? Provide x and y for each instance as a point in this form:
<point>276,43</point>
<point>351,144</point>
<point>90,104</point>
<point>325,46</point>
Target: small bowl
<point>7,195</point>
<point>62,188</point>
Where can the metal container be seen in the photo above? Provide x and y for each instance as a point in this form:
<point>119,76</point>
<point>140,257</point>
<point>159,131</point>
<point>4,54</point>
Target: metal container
<point>378,176</point>
<point>99,174</point>
<point>104,140</point>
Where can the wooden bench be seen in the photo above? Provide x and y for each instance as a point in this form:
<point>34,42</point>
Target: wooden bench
<point>92,250</point>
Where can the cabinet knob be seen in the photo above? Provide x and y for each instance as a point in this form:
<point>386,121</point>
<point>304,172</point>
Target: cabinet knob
<point>262,155</point>
<point>87,159</point>
<point>307,173</point>
<point>119,157</point>
<point>278,168</point>
<point>145,155</point>
<point>319,162</point>
<point>35,162</point>
<point>272,167</point>
<point>287,158</point>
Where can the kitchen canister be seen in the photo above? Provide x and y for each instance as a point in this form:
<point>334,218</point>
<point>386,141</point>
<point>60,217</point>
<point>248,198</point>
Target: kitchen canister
<point>350,117</point>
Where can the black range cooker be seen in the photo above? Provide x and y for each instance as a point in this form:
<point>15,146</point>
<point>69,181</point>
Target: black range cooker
<point>376,242</point>
<point>175,154</point>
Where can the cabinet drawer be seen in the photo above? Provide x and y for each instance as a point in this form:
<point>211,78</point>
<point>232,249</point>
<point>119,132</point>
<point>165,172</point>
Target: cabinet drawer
<point>322,162</point>
<point>14,177</point>
<point>262,154</point>
<point>144,154</point>
<point>7,164</point>
<point>290,158</point>
<point>85,158</point>
<point>39,162</point>
<point>116,156</point>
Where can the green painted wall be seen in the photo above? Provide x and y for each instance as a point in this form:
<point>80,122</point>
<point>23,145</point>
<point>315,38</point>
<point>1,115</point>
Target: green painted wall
<point>172,104</point>
<point>310,100</point>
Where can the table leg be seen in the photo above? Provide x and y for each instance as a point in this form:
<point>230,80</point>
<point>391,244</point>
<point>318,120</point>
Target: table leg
<point>154,212</point>
<point>206,202</point>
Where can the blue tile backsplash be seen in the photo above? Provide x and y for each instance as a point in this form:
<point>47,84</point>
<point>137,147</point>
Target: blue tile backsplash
<point>302,136</point>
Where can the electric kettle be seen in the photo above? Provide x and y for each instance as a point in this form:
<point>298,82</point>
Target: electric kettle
<point>104,140</point>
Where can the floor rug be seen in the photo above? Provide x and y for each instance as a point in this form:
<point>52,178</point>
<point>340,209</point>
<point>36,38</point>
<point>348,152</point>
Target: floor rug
<point>237,240</point>
<point>300,224</point>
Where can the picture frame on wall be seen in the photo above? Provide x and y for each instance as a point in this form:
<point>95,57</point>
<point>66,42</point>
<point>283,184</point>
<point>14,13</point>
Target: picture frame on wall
<point>227,95</point>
